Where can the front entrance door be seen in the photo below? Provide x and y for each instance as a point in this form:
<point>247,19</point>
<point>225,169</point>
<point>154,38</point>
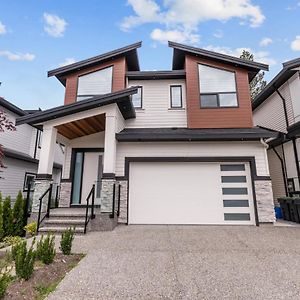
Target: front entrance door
<point>87,171</point>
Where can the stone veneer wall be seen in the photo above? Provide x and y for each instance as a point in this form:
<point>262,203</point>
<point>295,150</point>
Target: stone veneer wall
<point>264,199</point>
<point>40,187</point>
<point>65,194</point>
<point>123,201</point>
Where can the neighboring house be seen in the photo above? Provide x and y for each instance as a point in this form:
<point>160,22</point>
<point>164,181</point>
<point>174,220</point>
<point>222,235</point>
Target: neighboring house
<point>22,151</point>
<point>277,107</point>
<point>180,143</point>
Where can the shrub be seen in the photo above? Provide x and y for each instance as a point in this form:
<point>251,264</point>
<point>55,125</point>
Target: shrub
<point>5,278</point>
<point>31,228</point>
<point>1,219</point>
<point>18,215</point>
<point>15,242</point>
<point>66,241</point>
<point>7,218</point>
<point>24,260</point>
<point>45,250</point>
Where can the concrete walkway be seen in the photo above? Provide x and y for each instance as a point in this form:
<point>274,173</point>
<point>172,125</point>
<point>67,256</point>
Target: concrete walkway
<point>186,262</point>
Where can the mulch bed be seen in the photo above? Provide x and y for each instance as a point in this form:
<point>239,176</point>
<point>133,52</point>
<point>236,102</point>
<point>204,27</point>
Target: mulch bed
<point>43,277</point>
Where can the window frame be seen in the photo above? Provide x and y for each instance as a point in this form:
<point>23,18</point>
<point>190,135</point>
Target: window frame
<point>90,72</point>
<point>171,99</point>
<point>218,93</point>
<point>142,93</point>
<point>25,188</point>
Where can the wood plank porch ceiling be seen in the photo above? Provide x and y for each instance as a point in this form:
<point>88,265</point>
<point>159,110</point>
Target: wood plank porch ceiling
<point>82,127</point>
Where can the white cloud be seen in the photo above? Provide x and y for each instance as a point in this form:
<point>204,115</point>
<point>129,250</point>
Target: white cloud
<point>2,28</point>
<point>17,56</point>
<point>67,61</point>
<point>218,34</point>
<point>265,42</point>
<point>163,36</point>
<point>295,45</point>
<point>146,11</point>
<point>260,56</point>
<point>186,15</point>
<point>55,26</point>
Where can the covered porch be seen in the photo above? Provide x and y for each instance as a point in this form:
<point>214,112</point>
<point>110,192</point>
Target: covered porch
<point>88,131</point>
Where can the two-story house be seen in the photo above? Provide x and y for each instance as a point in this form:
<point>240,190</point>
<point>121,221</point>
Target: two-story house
<point>277,107</point>
<point>22,152</point>
<point>180,144</point>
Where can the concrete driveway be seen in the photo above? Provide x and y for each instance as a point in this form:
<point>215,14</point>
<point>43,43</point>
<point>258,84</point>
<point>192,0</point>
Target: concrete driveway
<point>186,262</point>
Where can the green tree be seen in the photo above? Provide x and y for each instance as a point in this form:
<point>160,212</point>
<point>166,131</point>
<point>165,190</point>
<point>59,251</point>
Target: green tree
<point>7,217</point>
<point>1,219</point>
<point>258,83</point>
<point>18,215</point>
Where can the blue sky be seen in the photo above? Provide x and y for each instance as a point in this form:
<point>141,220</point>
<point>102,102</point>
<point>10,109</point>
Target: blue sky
<point>37,36</point>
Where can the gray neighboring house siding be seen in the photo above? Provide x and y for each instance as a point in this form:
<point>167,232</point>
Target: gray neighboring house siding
<point>22,153</point>
<point>277,108</point>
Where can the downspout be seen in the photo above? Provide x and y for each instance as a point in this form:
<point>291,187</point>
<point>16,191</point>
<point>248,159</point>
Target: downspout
<point>293,139</point>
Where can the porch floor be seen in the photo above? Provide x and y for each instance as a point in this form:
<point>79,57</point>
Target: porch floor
<point>72,211</point>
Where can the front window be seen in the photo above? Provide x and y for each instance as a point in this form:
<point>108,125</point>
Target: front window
<point>95,83</point>
<point>176,96</point>
<point>137,99</point>
<point>217,87</point>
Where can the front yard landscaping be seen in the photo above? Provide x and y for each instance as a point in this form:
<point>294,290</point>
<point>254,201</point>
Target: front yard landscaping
<point>32,271</point>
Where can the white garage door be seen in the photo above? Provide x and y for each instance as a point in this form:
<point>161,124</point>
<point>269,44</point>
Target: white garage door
<point>190,193</point>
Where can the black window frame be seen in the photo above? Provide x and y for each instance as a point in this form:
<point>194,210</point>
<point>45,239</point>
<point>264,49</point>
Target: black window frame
<point>218,93</point>
<point>25,187</point>
<point>171,98</point>
<point>141,88</point>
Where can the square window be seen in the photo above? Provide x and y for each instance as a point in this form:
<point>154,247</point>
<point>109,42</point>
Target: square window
<point>176,96</point>
<point>228,100</point>
<point>209,100</point>
<point>137,98</point>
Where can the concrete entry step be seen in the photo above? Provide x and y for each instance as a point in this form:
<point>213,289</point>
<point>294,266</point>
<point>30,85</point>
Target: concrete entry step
<point>64,221</point>
<point>60,229</point>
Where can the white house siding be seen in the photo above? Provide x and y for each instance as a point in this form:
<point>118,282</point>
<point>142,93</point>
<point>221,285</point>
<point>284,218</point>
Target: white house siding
<point>18,140</point>
<point>286,94</point>
<point>156,110</point>
<point>270,114</point>
<point>276,173</point>
<point>90,141</point>
<point>14,175</point>
<point>294,85</point>
<point>193,149</point>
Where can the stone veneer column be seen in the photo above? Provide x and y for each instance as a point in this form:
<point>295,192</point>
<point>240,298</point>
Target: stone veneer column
<point>264,199</point>
<point>65,193</point>
<point>40,187</point>
<point>107,186</point>
<point>123,201</point>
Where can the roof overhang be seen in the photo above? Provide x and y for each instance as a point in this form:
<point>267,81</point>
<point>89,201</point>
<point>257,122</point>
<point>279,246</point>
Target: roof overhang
<point>186,134</point>
<point>121,98</point>
<point>289,69</point>
<point>10,153</point>
<point>11,107</point>
<point>154,75</point>
<point>181,50</point>
<point>129,52</point>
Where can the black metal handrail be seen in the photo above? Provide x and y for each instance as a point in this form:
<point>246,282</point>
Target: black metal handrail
<point>92,215</point>
<point>49,190</point>
<point>112,215</point>
<point>119,196</point>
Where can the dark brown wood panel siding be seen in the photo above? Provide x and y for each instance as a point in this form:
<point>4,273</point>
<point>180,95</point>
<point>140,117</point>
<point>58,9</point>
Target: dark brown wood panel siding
<point>119,70</point>
<point>240,117</point>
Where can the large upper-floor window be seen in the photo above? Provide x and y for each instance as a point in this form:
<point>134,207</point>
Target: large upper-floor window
<point>95,83</point>
<point>217,87</point>
<point>137,99</point>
